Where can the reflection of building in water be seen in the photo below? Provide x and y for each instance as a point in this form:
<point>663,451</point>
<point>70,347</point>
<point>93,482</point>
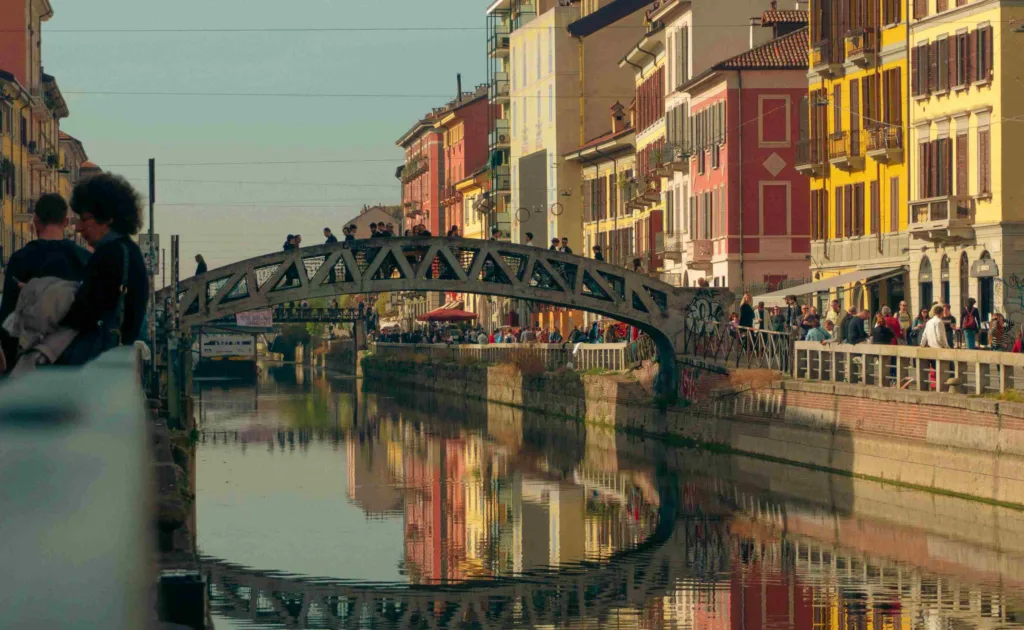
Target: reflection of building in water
<point>547,523</point>
<point>369,480</point>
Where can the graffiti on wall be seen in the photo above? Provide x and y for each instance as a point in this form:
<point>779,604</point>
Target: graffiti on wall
<point>703,310</point>
<point>1012,289</point>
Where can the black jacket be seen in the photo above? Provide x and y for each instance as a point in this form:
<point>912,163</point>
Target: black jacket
<point>201,268</point>
<point>98,294</point>
<point>855,332</point>
<point>331,239</point>
<point>37,259</point>
<point>747,315</point>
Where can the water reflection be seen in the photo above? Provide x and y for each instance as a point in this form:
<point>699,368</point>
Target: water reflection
<point>322,506</point>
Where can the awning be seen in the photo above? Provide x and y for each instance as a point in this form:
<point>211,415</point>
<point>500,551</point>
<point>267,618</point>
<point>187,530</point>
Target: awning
<point>447,315</point>
<point>778,298</point>
<point>388,324</point>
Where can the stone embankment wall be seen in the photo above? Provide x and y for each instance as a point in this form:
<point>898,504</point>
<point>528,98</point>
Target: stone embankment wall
<point>942,442</point>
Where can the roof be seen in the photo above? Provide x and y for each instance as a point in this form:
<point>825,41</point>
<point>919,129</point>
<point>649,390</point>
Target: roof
<point>608,136</point>
<point>784,16</point>
<point>788,52</point>
<point>605,16</point>
<point>87,165</point>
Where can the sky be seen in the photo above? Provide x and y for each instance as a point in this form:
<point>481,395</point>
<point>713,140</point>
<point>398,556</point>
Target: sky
<point>249,209</point>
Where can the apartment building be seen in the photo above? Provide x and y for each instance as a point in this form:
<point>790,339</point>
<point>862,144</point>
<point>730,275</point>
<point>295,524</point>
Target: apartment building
<point>422,175</point>
<point>965,213</point>
<point>856,113</point>
<point>464,127</point>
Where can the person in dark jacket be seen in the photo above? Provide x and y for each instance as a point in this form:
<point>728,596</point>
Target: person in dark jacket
<point>747,311</point>
<point>50,254</point>
<point>200,264</point>
<point>109,212</point>
<point>598,254</point>
<point>855,332</point>
<point>329,236</point>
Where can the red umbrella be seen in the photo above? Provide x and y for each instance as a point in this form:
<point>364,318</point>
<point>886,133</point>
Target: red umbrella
<point>447,315</point>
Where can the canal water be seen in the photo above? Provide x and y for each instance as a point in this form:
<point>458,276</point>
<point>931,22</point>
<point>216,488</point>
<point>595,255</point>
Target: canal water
<point>323,502</point>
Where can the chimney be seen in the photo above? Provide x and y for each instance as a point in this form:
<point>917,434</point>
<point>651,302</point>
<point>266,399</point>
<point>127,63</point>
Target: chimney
<point>458,87</point>
<point>618,117</point>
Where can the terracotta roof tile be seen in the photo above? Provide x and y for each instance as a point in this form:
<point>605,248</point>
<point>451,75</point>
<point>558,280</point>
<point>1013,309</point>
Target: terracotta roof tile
<point>783,16</point>
<point>788,51</point>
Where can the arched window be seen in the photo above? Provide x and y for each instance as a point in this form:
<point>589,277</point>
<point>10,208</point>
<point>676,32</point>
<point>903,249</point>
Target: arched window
<point>925,284</point>
<point>944,280</point>
<point>986,287</point>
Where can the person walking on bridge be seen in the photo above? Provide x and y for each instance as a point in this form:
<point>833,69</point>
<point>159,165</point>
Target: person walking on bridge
<point>598,254</point>
<point>935,330</point>
<point>201,267</point>
<point>49,255</point>
<point>331,238</point>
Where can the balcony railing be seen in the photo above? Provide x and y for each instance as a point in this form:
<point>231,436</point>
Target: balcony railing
<point>809,156</point>
<point>527,11</point>
<point>942,218</point>
<point>824,61</point>
<point>699,253</point>
<point>498,41</point>
<point>499,88</point>
<point>500,136</point>
<point>414,168</point>
<point>845,150</point>
<point>861,46</point>
<point>885,144</point>
<point>501,179</point>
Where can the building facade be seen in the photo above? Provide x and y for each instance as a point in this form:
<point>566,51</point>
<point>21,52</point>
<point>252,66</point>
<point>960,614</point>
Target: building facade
<point>854,151</point>
<point>464,125</point>
<point>422,175</point>
<point>965,217</point>
<point>745,223</point>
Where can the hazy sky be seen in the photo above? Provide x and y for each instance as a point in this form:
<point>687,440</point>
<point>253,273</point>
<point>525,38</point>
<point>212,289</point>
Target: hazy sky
<point>230,221</point>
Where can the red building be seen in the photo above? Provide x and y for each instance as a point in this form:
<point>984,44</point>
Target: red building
<point>423,174</point>
<point>745,219</point>
<point>464,125</point>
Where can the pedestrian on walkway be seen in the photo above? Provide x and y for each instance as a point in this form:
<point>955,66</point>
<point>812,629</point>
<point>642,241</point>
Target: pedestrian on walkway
<point>855,332</point>
<point>555,244</point>
<point>565,249</point>
<point>747,311</point>
<point>916,334</point>
<point>50,254</point>
<point>201,267</point>
<point>893,324</point>
<point>835,313</point>
<point>289,243</point>
<point>970,321</point>
<point>598,254</point>
<point>495,234</point>
<point>997,337</point>
<point>330,237</point>
<point>935,332</point>
<point>881,333</point>
<point>949,320</point>
<point>905,318</point>
<point>529,239</point>
<point>110,306</point>
<point>818,333</point>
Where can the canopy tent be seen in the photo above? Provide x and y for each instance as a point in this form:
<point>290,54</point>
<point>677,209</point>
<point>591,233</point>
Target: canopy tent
<point>447,315</point>
<point>389,324</point>
<point>778,298</point>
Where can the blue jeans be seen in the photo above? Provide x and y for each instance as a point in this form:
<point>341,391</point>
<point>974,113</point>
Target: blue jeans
<point>970,336</point>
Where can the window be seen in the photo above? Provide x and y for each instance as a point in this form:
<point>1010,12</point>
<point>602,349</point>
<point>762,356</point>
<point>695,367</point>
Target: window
<point>24,132</point>
<point>613,195</point>
<point>941,5</point>
<point>701,161</point>
<point>960,55</point>
<point>942,64</point>
<point>682,55</point>
<point>858,209</point>
<point>838,209</point>
<point>983,54</point>
<point>892,88</point>
<point>716,150</point>
<point>935,168</point>
<point>920,59</point>
<point>984,163</point>
<point>894,204</point>
<point>538,57</point>
<point>815,215</point>
<point>551,52</point>
<point>920,9</point>
<point>854,105</point>
<point>869,100</point>
<point>837,107</point>
<point>891,11</point>
<point>670,215</point>
<point>538,107</point>
<point>848,210</point>
<point>551,103</point>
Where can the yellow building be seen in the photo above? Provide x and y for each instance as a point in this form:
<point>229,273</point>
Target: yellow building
<point>72,158</point>
<point>648,59</point>
<point>14,101</point>
<point>966,219</point>
<point>852,148</point>
<point>476,224</point>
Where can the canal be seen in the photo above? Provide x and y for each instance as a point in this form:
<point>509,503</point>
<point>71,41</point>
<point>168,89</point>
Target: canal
<point>325,502</point>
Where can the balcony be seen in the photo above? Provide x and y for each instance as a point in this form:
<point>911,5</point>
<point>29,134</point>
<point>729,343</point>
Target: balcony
<point>498,41</point>
<point>885,144</point>
<point>501,180</point>
<point>809,157</point>
<point>498,91</point>
<point>673,247</point>
<point>414,168</point>
<point>679,158</point>
<point>845,151</point>
<point>942,219</point>
<point>500,137</point>
<point>861,46</point>
<point>822,62</point>
<point>698,254</point>
<point>527,11</point>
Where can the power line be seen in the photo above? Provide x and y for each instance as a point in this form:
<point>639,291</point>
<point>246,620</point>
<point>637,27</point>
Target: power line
<point>266,183</point>
<point>396,160</point>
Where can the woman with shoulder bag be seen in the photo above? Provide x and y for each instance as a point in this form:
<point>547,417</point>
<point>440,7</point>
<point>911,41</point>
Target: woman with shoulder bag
<point>969,323</point>
<point>110,306</point>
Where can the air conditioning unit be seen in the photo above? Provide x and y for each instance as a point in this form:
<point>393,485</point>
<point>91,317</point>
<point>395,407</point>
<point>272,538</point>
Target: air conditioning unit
<point>502,138</point>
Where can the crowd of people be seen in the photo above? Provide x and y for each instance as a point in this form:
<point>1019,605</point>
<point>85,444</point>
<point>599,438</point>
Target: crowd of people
<point>63,304</point>
<point>934,327</point>
<point>476,334</point>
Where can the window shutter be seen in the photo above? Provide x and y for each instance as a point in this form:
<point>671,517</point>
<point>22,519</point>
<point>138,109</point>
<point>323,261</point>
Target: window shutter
<point>922,170</point>
<point>670,214</point>
<point>876,207</point>
<point>915,71</point>
<point>950,62</point>
<point>933,160</point>
<point>933,67</point>
<point>989,67</point>
<point>984,172</point>
<point>894,204</point>
<point>854,105</point>
<point>588,197</point>
<point>824,215</point>
<point>920,9</point>
<point>858,210</point>
<point>962,186</point>
<point>814,215</point>
<point>848,210</point>
<point>972,49</point>
<point>839,212</point>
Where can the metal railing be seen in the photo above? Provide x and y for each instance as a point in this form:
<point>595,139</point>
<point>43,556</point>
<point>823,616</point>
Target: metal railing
<point>298,314</point>
<point>614,357</point>
<point>499,87</point>
<point>909,367</point>
<point>739,346</point>
<point>883,138</point>
<point>500,135</point>
<point>844,144</point>
<point>860,41</point>
<point>75,452</point>
<point>808,152</point>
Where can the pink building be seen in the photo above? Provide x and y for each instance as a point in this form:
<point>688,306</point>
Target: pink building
<point>423,174</point>
<point>465,126</point>
<point>743,207</point>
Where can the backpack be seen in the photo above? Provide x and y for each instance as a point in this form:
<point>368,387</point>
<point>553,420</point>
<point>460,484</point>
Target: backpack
<point>969,323</point>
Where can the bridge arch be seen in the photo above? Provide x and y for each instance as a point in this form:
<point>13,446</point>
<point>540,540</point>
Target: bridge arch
<point>458,265</point>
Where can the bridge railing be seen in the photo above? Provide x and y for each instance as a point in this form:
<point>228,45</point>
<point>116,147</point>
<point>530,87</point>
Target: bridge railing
<point>739,346</point>
<point>75,457</point>
<point>614,357</point>
<point>909,367</point>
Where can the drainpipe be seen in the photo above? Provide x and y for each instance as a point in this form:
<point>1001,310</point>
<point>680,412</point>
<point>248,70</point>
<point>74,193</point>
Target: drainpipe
<point>739,148</point>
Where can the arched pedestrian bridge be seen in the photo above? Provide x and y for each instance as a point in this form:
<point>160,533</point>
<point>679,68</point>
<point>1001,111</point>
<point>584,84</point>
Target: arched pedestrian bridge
<point>457,265</point>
